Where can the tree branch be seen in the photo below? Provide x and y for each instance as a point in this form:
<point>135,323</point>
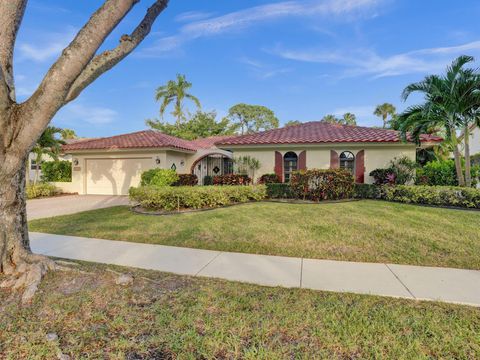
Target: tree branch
<point>11,15</point>
<point>108,59</point>
<point>52,91</point>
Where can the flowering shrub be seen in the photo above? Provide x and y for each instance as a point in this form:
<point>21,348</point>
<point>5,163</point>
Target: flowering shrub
<point>186,180</point>
<point>401,171</point>
<point>159,177</point>
<point>194,197</point>
<point>316,185</point>
<point>269,179</point>
<point>231,179</point>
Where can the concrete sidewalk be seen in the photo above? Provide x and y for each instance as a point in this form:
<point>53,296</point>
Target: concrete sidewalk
<point>403,281</point>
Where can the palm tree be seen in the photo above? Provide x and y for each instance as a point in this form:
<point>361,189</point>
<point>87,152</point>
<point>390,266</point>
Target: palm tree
<point>330,118</point>
<point>175,91</point>
<point>48,144</point>
<point>384,111</point>
<point>349,119</point>
<point>452,102</point>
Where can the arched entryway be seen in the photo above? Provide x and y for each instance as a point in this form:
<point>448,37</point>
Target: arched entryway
<point>212,165</point>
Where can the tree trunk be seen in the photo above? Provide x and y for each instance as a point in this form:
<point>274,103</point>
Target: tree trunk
<point>22,268</point>
<point>458,160</point>
<point>466,140</point>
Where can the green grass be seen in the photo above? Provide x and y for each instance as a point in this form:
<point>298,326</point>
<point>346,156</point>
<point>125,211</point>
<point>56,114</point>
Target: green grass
<point>194,318</point>
<point>371,231</point>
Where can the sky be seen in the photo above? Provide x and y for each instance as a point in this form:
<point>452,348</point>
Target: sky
<point>301,58</point>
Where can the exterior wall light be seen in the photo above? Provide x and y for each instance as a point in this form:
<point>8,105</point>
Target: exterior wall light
<point>157,161</point>
<point>75,162</point>
<point>182,163</point>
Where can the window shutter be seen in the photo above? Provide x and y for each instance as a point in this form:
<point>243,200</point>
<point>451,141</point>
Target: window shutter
<point>279,165</point>
<point>360,167</point>
<point>334,161</point>
<point>302,160</point>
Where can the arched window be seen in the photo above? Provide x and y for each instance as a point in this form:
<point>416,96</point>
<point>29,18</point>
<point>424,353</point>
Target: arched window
<point>290,164</point>
<point>347,161</point>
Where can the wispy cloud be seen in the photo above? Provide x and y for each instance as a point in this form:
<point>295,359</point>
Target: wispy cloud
<point>245,18</point>
<point>94,115</point>
<point>192,16</point>
<point>358,62</point>
<point>46,46</point>
<point>262,70</point>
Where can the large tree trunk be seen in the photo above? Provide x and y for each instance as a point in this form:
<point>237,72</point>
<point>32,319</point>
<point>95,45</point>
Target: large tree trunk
<point>21,268</point>
<point>466,141</point>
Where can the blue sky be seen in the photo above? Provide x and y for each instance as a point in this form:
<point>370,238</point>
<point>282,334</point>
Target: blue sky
<point>301,58</point>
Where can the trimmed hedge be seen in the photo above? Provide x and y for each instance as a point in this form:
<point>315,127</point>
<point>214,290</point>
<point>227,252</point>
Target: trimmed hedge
<point>41,190</point>
<point>317,185</point>
<point>269,179</point>
<point>443,173</point>
<point>279,191</point>
<point>231,179</point>
<point>196,197</point>
<point>159,177</point>
<point>186,180</point>
<point>426,195</point>
<point>60,171</point>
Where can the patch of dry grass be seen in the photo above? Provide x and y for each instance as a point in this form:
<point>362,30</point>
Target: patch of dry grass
<point>171,316</point>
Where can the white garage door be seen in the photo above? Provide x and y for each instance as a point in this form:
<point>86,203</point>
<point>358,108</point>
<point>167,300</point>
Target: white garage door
<point>115,176</point>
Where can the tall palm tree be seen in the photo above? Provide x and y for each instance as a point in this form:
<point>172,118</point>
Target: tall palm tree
<point>384,111</point>
<point>48,144</point>
<point>175,91</point>
<point>452,102</point>
<point>349,119</point>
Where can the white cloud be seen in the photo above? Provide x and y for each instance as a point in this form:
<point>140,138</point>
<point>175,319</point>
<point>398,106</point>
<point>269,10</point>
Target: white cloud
<point>263,71</point>
<point>46,46</point>
<point>192,16</point>
<point>359,62</point>
<point>242,19</point>
<point>94,115</point>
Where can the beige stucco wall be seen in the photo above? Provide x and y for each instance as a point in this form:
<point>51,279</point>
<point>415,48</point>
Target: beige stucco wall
<point>318,157</point>
<point>475,141</point>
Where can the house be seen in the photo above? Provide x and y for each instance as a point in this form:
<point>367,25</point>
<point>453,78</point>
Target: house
<point>112,165</point>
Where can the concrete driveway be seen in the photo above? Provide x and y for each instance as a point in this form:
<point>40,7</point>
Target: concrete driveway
<point>71,204</point>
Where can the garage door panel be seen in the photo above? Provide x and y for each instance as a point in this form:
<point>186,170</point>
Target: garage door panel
<point>115,176</point>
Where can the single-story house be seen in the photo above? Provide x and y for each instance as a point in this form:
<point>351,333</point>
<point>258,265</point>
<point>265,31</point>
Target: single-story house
<point>112,165</point>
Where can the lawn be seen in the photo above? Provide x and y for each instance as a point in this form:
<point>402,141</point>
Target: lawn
<point>371,231</point>
<point>163,316</point>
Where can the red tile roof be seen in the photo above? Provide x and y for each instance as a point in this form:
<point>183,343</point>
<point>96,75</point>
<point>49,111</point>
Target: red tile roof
<point>209,142</point>
<point>321,132</point>
<point>136,140</point>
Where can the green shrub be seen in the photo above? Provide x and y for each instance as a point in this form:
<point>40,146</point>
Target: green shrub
<point>159,177</point>
<point>426,195</point>
<point>208,180</point>
<point>316,185</point>
<point>41,190</point>
<point>60,171</point>
<point>186,180</point>
<point>279,191</point>
<point>401,171</point>
<point>443,173</point>
<point>269,179</point>
<point>194,197</point>
<point>231,179</point>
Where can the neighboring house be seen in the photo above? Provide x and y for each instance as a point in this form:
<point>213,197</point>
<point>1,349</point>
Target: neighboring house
<point>112,165</point>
